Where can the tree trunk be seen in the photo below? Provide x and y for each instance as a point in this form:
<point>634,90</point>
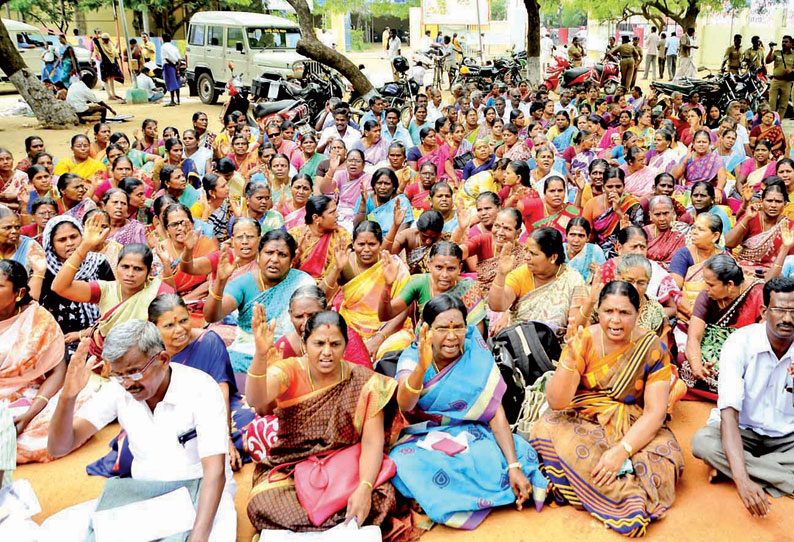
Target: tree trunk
<point>309,46</point>
<point>533,41</point>
<point>50,112</point>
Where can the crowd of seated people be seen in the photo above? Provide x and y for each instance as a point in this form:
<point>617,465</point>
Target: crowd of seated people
<point>289,297</point>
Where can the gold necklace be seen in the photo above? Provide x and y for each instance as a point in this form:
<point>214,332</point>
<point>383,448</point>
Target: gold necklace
<point>262,280</point>
<point>309,372</point>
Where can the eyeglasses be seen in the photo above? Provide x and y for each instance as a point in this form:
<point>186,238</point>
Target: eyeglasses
<point>46,214</point>
<point>180,224</point>
<point>274,135</point>
<point>780,311</point>
<point>135,377</point>
<point>640,283</point>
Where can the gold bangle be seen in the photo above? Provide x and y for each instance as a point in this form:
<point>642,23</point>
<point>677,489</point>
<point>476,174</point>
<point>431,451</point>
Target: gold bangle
<point>366,483</point>
<point>412,390</point>
<point>742,224</point>
<point>252,375</point>
<point>581,311</point>
<point>34,276</point>
<point>562,364</point>
<point>71,266</point>
<point>626,446</point>
<point>215,296</point>
<point>40,396</point>
<point>516,465</point>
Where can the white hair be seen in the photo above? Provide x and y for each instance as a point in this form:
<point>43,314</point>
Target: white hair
<point>138,334</point>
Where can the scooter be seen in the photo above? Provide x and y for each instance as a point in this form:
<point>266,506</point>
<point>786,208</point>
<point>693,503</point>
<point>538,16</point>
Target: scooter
<point>605,75</point>
<point>238,98</point>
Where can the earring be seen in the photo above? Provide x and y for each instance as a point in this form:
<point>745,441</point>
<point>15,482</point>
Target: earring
<point>19,299</point>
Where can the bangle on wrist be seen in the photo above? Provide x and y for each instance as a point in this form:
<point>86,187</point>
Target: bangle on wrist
<point>35,276</point>
<point>252,375</point>
<point>412,390</point>
<point>515,465</point>
<point>71,266</point>
<point>564,366</point>
<point>366,483</point>
<point>43,398</point>
<point>626,446</point>
<point>215,296</point>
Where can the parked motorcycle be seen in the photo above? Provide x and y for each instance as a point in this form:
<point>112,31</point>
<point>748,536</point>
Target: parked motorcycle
<point>511,67</point>
<point>719,90</point>
<point>606,75</point>
<point>238,98</point>
<point>398,94</point>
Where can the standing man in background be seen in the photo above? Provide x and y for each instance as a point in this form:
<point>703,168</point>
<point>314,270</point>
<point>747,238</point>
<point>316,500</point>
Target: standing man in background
<point>635,42</point>
<point>148,49</point>
<point>394,46</point>
<point>661,52</point>
<point>754,55</point>
<point>385,37</point>
<point>651,50</point>
<point>546,49</point>
<point>782,75</point>
<point>733,55</point>
<point>687,67</point>
<point>673,44</point>
<point>626,53</point>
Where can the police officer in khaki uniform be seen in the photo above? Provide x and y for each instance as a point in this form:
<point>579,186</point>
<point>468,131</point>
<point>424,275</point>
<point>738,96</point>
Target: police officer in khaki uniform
<point>575,53</point>
<point>733,55</point>
<point>754,55</point>
<point>782,75</point>
<point>635,41</point>
<point>626,53</point>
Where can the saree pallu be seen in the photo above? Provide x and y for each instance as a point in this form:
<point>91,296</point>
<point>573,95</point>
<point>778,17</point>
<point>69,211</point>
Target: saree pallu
<point>476,184</point>
<point>327,419</point>
<point>418,258</point>
<point>775,135</point>
<point>384,214</point>
<point>605,225</point>
<point>293,219</point>
<point>486,269</point>
<point>310,167</point>
<point>744,310</point>
<point>185,283</point>
<point>559,220</point>
<point>132,232</point>
<point>247,164</point>
<point>662,162</point>
<point>459,490</point>
<point>549,303</point>
<point>581,262</point>
<point>519,151</point>
<point>662,247</point>
<point>608,402</point>
<point>640,183</point>
<point>757,175</point>
<point>276,301</point>
<point>581,162</point>
<point>702,169</point>
<point>318,257</point>
<point>760,249</point>
<point>563,141</point>
<point>375,153</point>
<point>439,157</point>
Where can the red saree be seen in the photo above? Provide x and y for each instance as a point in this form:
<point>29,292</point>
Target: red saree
<point>662,247</point>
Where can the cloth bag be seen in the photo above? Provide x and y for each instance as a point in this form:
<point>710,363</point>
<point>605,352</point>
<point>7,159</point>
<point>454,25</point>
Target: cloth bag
<point>325,482</point>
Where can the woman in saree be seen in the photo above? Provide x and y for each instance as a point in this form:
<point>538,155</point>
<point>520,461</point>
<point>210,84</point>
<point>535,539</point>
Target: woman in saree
<point>258,204</point>
<point>72,189</point>
<point>730,158</point>
<point>218,209</point>
<point>13,245</point>
<point>69,62</point>
<point>122,229</point>
<point>608,401</point>
<point>383,203</point>
<point>694,118</point>
<point>173,157</point>
<point>245,161</point>
<point>542,288</point>
<point>99,147</point>
<point>482,161</point>
<point>785,170</point>
<point>644,129</point>
<point>487,207</point>
<point>445,266</point>
<point>471,125</point>
<point>141,160</point>
<point>347,183</point>
<point>178,224</point>
<point>32,367</point>
<point>702,164</point>
<point>42,211</point>
<point>308,159</point>
<point>728,302</point>
<point>595,186</point>
<point>303,303</point>
<point>513,148</point>
<point>337,405</point>
<point>758,229</point>
<point>607,211</point>
<point>636,270</point>
<point>441,200</point>
<point>496,138</point>
<point>579,254</point>
<point>581,154</point>
<point>754,170</point>
<point>458,147</point>
<point>294,208</point>
<point>662,157</point>
<point>544,168</point>
<point>551,210</point>
<point>318,236</point>
<point>418,123</point>
<point>271,284</point>
<point>486,126</point>
<point>664,185</point>
<point>118,167</point>
<point>561,134</point>
<point>702,201</point>
<point>80,163</point>
<point>639,176</point>
<point>429,151</point>
<point>61,238</point>
<point>126,298</point>
<point>769,131</point>
<point>374,147</point>
<point>175,184</point>
<point>663,239</point>
<point>449,386</point>
<point>109,70</point>
<point>360,279</point>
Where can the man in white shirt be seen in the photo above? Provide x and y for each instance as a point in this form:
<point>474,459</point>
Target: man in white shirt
<point>174,416</point>
<point>171,57</point>
<point>546,51</point>
<point>394,51</point>
<point>515,102</point>
<point>651,46</point>
<point>340,130</point>
<point>424,44</point>
<point>566,104</point>
<point>145,81</point>
<point>750,435</point>
<point>83,101</point>
<point>435,109</point>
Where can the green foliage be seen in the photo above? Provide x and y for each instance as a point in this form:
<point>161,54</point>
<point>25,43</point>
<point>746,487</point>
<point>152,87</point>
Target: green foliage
<point>498,10</point>
<point>400,11</point>
<point>357,40</point>
<point>50,13</point>
<point>654,10</point>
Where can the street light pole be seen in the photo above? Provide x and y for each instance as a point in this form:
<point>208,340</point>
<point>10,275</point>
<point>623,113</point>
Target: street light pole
<point>479,29</point>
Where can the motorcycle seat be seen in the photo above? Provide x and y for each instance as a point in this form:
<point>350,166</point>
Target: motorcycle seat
<point>268,108</point>
<point>572,73</point>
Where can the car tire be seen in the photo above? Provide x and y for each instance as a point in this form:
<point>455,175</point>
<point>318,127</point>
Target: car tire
<point>205,85</point>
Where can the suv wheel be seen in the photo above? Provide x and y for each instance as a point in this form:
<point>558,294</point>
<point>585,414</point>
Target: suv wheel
<point>206,89</point>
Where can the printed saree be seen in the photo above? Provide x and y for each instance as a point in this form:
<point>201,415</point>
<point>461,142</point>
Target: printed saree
<point>663,161</point>
<point>759,250</point>
<point>319,421</point>
<point>310,167</point>
<point>563,141</point>
<point>459,402</point>
<point>548,303</point>
<point>318,256</point>
<point>606,225</point>
<point>440,156</point>
<point>608,402</point>
<point>662,247</point>
<point>581,262</point>
<point>702,169</point>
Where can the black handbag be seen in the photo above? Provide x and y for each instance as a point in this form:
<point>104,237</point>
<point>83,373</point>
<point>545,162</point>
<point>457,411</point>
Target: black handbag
<point>523,353</point>
<point>459,162</point>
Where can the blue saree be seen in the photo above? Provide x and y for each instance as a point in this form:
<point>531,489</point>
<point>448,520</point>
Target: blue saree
<point>581,262</point>
<point>461,399</point>
<point>563,141</point>
<point>384,215</point>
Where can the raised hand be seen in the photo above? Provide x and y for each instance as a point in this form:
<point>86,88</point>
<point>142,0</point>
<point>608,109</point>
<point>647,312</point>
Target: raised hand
<point>579,180</point>
<point>235,206</point>
<point>753,209</point>
<point>425,347</point>
<point>263,332</point>
<point>391,269</point>
<point>596,285</point>
<point>787,234</point>
<point>95,232</point>
<point>190,241</point>
<point>399,214</point>
<point>38,261</point>
<point>225,267</point>
<point>79,371</point>
<point>341,254</point>
<point>747,193</point>
<point>506,259</point>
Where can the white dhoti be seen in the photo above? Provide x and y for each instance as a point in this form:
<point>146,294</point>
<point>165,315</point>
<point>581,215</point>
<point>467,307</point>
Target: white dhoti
<point>686,68</point>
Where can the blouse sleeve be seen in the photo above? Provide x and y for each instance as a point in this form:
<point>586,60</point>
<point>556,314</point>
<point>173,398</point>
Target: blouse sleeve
<point>681,262</point>
<point>658,362</point>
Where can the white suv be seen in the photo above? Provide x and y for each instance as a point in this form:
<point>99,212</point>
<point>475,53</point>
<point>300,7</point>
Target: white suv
<point>254,43</point>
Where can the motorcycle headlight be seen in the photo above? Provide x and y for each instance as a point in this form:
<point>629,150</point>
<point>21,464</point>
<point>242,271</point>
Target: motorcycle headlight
<point>298,68</point>
<point>464,70</point>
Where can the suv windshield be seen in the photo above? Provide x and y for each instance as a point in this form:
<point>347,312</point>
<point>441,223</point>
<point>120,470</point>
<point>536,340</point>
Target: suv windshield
<point>272,38</point>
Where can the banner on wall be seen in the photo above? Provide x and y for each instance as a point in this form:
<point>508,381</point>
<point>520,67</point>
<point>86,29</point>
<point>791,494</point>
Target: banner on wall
<point>453,12</point>
<point>761,11</point>
<point>790,14</point>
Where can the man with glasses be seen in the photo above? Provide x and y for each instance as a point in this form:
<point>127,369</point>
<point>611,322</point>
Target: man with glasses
<point>750,435</point>
<point>515,103</point>
<point>174,417</point>
<point>280,143</point>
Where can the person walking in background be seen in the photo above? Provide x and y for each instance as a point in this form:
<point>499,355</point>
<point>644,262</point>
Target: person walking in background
<point>385,38</point>
<point>687,66</point>
<point>651,51</point>
<point>782,75</point>
<point>109,65</point>
<point>171,58</point>
<point>394,51</point>
<point>733,55</point>
<point>661,52</point>
<point>673,44</point>
<point>546,50</point>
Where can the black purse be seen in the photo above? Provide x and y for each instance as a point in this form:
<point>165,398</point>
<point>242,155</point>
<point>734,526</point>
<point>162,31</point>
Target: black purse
<point>459,162</point>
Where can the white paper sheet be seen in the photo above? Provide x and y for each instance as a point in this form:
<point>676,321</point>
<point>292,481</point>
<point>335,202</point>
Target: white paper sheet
<point>340,533</point>
<point>143,521</point>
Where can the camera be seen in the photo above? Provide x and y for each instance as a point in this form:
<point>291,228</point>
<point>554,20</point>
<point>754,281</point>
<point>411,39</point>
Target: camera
<point>772,44</point>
